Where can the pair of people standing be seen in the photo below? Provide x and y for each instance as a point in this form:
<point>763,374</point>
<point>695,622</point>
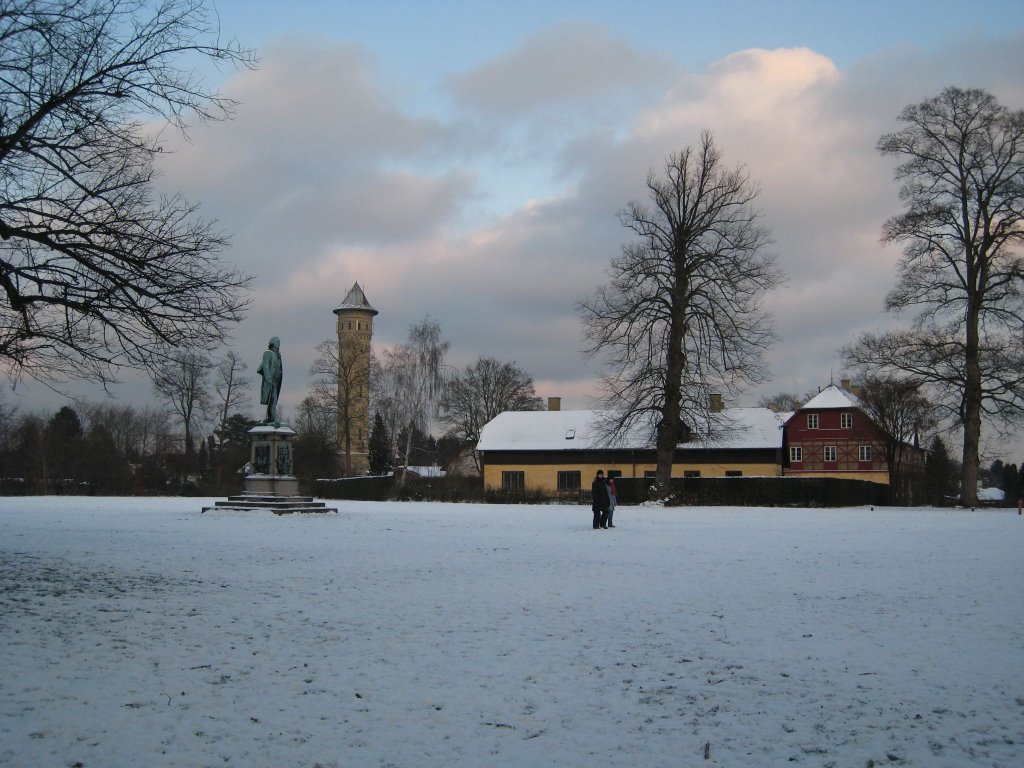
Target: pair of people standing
<point>604,499</point>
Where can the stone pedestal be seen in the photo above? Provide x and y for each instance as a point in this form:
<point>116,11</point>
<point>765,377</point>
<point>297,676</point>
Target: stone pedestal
<point>270,484</point>
<point>271,462</point>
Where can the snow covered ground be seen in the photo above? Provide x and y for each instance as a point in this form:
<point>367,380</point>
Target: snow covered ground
<point>141,632</point>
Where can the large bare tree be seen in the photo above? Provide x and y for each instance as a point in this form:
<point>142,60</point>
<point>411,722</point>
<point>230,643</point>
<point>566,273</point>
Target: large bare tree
<point>97,270</point>
<point>962,173</point>
<point>682,317</point>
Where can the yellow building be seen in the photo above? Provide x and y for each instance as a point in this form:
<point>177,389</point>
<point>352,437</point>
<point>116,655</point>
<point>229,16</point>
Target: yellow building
<point>559,451</point>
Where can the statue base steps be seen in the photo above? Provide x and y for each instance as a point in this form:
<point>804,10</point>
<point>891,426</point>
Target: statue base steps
<point>279,505</point>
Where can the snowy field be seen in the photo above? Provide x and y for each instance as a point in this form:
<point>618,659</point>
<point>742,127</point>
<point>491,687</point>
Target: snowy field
<point>143,633</point>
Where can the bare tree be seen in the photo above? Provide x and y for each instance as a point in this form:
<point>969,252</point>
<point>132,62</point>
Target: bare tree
<point>7,424</point>
<point>902,415</point>
<point>962,174</point>
<point>681,317</point>
<point>231,386</point>
<point>315,417</point>
<point>483,390</point>
<point>323,394</point>
<point>341,378</point>
<point>97,271</point>
<point>782,402</point>
<point>182,381</point>
<point>414,378</point>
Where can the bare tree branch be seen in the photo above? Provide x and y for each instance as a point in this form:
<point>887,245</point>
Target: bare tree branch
<point>681,317</point>
<point>962,175</point>
<point>97,271</point>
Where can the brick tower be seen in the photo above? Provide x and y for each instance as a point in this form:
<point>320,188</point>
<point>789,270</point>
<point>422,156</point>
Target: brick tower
<point>355,330</point>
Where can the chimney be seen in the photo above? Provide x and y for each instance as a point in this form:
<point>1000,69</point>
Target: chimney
<point>554,403</point>
<point>845,384</point>
<point>716,402</point>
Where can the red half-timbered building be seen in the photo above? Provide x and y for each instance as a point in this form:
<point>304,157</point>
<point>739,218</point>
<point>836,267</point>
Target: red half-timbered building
<point>831,436</point>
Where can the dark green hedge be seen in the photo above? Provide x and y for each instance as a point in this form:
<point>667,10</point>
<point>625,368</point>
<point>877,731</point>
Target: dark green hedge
<point>698,491</point>
<point>778,492</point>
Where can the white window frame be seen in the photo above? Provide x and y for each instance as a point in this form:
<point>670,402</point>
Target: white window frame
<point>846,420</point>
<point>830,450</point>
<point>796,453</point>
<point>864,453</point>
<point>812,421</point>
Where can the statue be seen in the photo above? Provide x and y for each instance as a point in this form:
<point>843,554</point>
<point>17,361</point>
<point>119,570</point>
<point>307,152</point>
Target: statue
<point>271,371</point>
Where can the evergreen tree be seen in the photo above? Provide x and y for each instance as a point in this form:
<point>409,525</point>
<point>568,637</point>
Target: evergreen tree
<point>1009,484</point>
<point>939,471</point>
<point>380,448</point>
<point>62,449</point>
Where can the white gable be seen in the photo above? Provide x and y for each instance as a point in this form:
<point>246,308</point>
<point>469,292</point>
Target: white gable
<point>833,397</point>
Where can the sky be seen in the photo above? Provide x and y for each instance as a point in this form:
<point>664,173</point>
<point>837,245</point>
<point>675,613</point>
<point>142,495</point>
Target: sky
<point>466,161</point>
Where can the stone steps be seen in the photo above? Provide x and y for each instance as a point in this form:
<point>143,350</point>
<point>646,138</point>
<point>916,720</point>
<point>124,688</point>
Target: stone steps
<point>279,505</point>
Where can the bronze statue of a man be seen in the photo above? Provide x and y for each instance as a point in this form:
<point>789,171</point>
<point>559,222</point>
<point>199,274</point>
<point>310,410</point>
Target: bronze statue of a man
<point>271,371</point>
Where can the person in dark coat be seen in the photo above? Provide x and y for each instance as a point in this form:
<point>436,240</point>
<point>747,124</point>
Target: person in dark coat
<point>599,500</point>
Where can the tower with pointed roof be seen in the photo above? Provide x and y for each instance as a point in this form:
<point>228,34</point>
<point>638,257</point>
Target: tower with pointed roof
<point>355,331</point>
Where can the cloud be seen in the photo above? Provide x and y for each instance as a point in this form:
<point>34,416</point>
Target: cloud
<point>495,223</point>
<point>558,69</point>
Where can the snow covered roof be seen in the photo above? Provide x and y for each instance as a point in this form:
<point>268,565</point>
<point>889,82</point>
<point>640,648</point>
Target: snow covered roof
<point>833,397</point>
<point>991,494</point>
<point>422,471</point>
<point>355,299</point>
<point>581,430</point>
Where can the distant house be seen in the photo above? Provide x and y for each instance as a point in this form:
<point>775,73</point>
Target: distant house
<point>832,435</point>
<point>418,472</point>
<point>991,497</point>
<point>559,451</point>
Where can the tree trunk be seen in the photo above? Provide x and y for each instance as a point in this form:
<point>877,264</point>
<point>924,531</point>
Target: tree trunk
<point>972,413</point>
<point>668,432</point>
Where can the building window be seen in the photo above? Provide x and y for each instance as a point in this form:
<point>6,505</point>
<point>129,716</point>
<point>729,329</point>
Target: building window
<point>796,453</point>
<point>864,454</point>
<point>846,420</point>
<point>830,453</point>
<point>650,474</point>
<point>513,481</point>
<point>613,473</point>
<point>733,473</point>
<point>812,421</point>
<point>569,480</point>
<point>691,473</point>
